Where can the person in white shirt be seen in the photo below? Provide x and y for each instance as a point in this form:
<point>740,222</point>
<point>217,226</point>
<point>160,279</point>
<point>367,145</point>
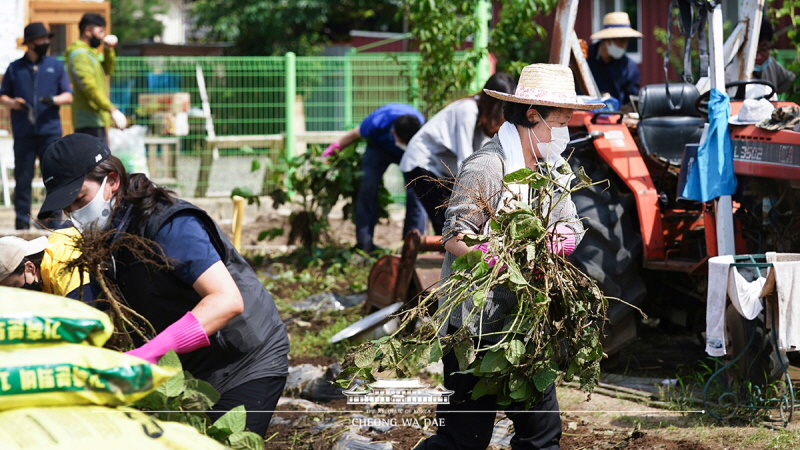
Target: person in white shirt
<point>435,153</point>
<point>766,68</point>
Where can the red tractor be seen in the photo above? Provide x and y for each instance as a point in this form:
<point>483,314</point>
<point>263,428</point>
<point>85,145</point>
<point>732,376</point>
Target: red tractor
<point>644,244</point>
<point>637,220</point>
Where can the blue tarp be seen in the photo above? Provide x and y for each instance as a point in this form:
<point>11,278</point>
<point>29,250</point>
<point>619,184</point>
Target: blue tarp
<point>711,175</point>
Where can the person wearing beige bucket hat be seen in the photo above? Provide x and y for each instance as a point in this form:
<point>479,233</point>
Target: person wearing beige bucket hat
<point>534,135</point>
<point>42,266</point>
<point>613,71</point>
<point>20,258</point>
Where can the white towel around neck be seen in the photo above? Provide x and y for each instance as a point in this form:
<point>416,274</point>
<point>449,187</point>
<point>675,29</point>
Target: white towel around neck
<point>515,160</point>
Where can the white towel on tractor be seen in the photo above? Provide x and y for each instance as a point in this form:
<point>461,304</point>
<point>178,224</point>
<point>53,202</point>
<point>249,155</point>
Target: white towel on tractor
<point>787,283</point>
<point>724,282</point>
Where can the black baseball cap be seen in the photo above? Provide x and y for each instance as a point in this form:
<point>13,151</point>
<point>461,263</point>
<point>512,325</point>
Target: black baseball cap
<point>65,164</point>
<point>35,30</point>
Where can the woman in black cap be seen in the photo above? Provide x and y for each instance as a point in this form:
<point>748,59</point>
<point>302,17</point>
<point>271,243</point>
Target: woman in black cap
<point>209,306</point>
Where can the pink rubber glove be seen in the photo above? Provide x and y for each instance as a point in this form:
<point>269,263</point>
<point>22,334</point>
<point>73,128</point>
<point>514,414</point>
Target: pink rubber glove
<point>561,241</point>
<point>331,150</point>
<point>484,247</point>
<point>182,336</point>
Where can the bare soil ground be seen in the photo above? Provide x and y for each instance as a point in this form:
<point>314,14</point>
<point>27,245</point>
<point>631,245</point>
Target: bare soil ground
<point>603,422</point>
<point>388,232</point>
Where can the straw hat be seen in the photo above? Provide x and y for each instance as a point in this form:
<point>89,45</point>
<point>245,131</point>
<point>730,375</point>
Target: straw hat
<point>546,85</point>
<point>616,25</point>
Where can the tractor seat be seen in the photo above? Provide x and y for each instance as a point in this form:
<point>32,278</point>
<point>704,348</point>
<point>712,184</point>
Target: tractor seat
<point>664,130</point>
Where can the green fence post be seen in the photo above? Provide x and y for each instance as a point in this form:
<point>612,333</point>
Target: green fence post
<point>348,89</point>
<point>289,104</point>
<point>483,13</point>
<point>291,94</point>
<point>415,100</point>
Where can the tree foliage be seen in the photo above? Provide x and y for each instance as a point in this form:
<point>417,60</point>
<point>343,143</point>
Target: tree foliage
<point>275,27</point>
<point>516,40</point>
<point>442,27</point>
<point>133,20</point>
<point>791,9</point>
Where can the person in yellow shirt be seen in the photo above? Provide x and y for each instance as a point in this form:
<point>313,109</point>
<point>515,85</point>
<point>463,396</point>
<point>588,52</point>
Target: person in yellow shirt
<point>39,264</point>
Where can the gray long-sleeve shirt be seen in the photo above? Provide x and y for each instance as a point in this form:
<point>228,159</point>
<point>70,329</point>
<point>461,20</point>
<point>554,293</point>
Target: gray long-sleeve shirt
<point>483,172</point>
<point>446,140</point>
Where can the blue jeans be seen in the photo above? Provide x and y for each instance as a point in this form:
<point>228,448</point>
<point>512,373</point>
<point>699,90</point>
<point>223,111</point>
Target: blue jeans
<point>373,166</point>
<point>26,150</point>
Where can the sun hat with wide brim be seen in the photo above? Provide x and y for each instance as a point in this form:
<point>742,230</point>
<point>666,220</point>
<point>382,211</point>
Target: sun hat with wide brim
<point>782,118</point>
<point>616,25</point>
<point>752,111</point>
<point>546,85</point>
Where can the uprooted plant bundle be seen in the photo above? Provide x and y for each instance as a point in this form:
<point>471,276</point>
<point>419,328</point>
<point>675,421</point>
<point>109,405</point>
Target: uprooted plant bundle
<point>553,331</point>
<point>96,248</point>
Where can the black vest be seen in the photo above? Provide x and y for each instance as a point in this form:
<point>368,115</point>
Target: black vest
<point>252,345</point>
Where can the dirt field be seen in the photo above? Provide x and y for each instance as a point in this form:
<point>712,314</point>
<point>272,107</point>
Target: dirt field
<point>604,422</point>
<point>599,423</point>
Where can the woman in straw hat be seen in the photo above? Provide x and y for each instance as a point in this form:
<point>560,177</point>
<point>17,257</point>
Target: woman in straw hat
<point>534,135</point>
<point>613,71</point>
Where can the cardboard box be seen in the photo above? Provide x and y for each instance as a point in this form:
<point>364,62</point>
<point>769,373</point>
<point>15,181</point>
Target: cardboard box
<point>176,124</point>
<point>175,102</point>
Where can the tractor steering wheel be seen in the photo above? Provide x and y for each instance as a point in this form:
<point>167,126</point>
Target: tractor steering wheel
<point>702,102</point>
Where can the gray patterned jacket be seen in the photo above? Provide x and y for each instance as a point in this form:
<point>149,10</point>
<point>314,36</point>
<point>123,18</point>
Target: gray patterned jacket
<point>482,174</point>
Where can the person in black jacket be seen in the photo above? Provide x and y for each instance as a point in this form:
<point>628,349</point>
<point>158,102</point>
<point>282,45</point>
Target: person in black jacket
<point>209,306</point>
<point>34,87</point>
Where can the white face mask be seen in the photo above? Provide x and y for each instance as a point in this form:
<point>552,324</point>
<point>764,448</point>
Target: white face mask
<point>400,145</point>
<point>614,51</point>
<point>559,138</point>
<point>95,214</point>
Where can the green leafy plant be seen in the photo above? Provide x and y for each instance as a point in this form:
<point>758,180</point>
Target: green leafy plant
<point>315,185</point>
<point>790,9</point>
<point>553,331</point>
<point>184,399</point>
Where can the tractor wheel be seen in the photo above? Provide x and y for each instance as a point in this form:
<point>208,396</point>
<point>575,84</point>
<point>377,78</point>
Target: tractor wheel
<point>760,363</point>
<point>611,250</point>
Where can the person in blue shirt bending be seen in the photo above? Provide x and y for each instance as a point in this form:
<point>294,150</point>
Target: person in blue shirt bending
<point>387,131</point>
<point>613,71</point>
<point>34,87</point>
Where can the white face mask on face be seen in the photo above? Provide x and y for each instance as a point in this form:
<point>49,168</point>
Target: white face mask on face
<point>614,51</point>
<point>400,145</point>
<point>559,138</point>
<point>96,213</point>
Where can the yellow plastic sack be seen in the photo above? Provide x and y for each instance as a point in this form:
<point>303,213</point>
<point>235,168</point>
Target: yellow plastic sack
<point>30,317</point>
<point>95,427</point>
<point>74,374</point>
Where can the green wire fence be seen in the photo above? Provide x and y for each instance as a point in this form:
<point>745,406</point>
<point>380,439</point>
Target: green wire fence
<point>253,114</point>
